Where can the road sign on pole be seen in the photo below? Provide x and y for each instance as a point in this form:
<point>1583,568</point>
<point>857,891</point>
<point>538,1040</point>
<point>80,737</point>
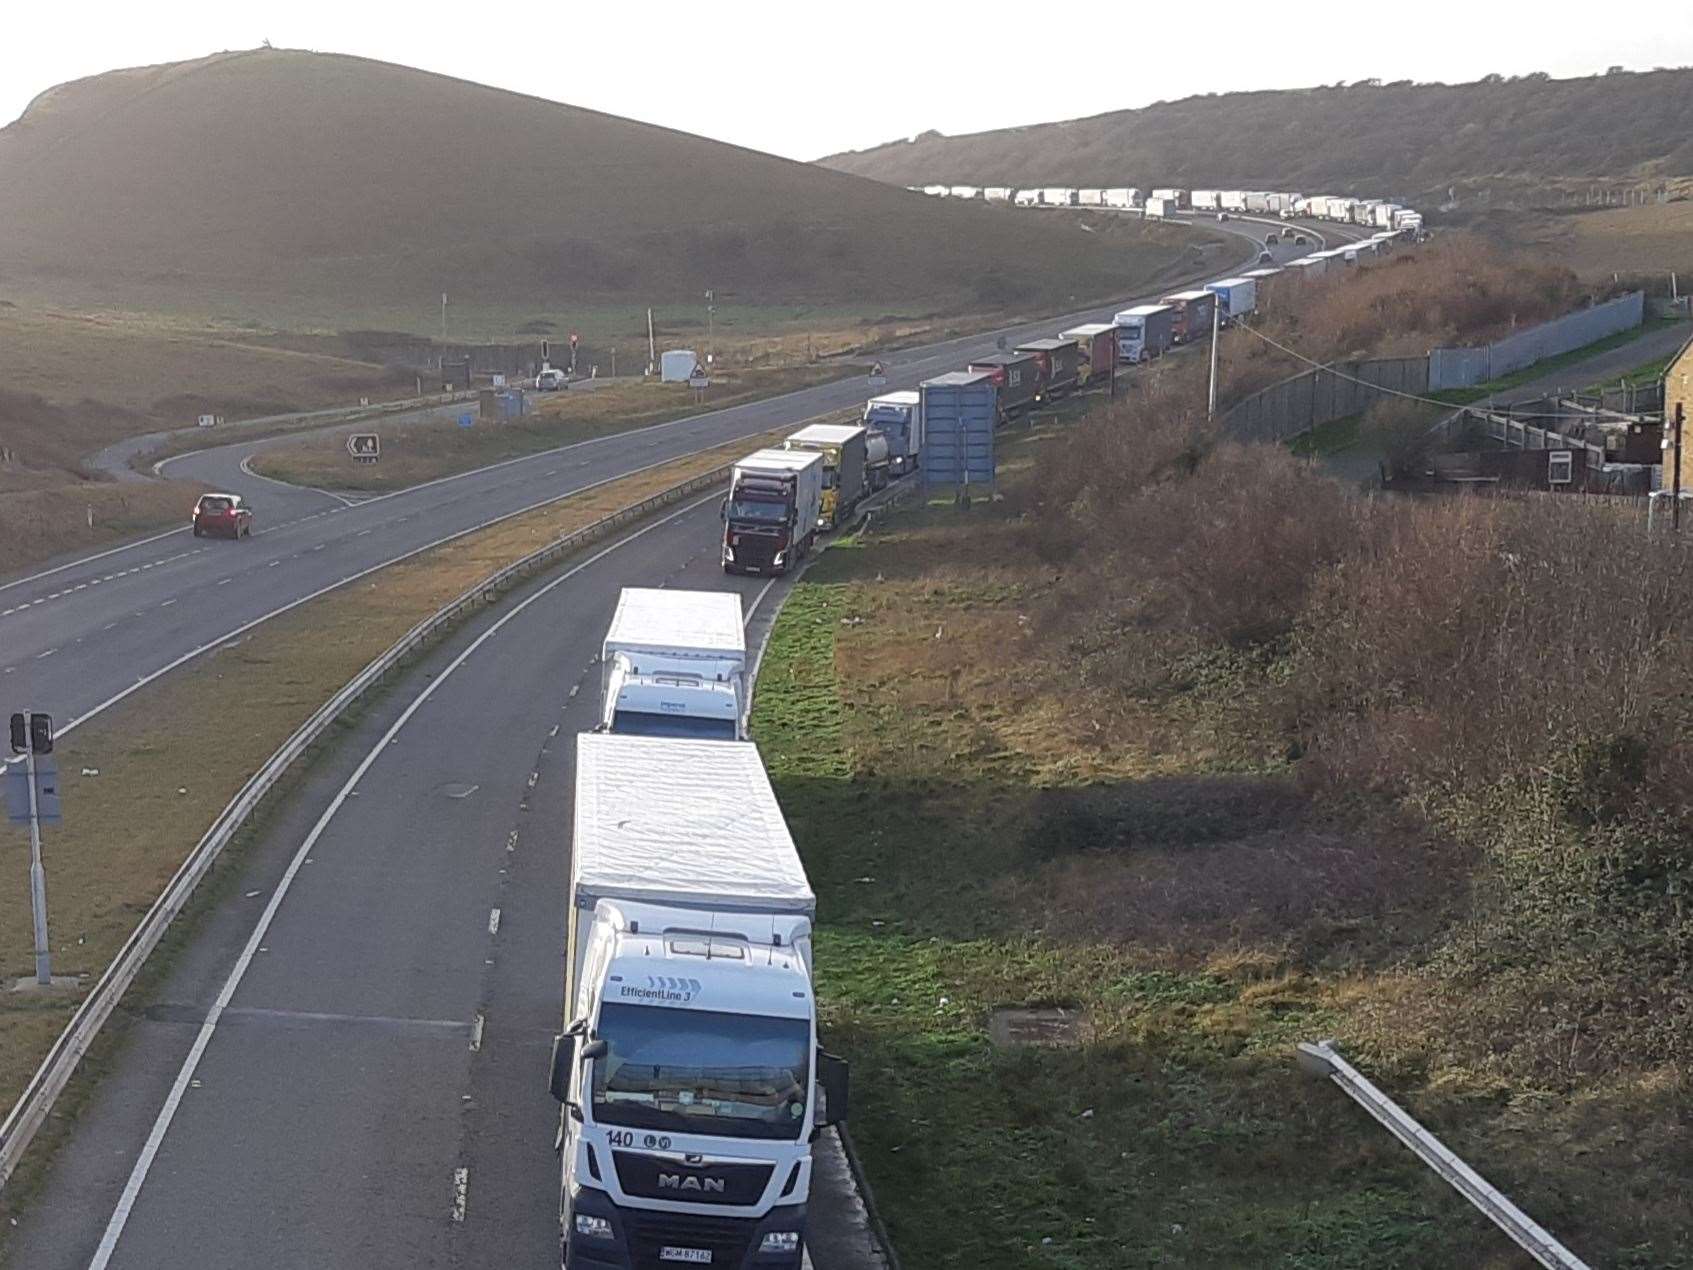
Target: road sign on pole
<point>32,733</point>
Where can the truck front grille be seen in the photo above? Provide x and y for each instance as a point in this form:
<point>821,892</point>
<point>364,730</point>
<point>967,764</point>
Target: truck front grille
<point>726,1238</point>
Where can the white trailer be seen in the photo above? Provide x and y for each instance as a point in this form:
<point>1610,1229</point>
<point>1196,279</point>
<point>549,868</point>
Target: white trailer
<point>674,664</point>
<point>1090,197</point>
<point>1121,196</point>
<point>1231,200</point>
<point>770,515</point>
<point>677,365</point>
<point>1058,196</point>
<point>1027,198</point>
<point>1174,197</point>
<point>966,191</point>
<point>1207,200</point>
<point>688,1070</point>
<point>1158,208</point>
<point>997,193</point>
<point>937,191</point>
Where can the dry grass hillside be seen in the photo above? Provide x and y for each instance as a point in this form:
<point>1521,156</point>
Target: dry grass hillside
<point>313,184</point>
<point>1518,136</point>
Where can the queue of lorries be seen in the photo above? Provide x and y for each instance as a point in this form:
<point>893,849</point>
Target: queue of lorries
<point>1369,212</point>
<point>688,1070</point>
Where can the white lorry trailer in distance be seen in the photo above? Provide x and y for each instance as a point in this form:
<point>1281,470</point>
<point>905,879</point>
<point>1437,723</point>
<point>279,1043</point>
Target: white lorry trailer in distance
<point>688,1068</point>
<point>674,664</point>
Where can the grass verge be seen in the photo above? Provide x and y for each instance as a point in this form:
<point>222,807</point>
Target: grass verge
<point>142,782</point>
<point>988,829</point>
<point>424,451</point>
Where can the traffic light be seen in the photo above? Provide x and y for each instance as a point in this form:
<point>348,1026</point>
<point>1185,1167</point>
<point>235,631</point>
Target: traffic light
<point>32,731</point>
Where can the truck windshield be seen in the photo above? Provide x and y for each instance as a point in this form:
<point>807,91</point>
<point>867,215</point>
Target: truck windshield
<point>767,513</point>
<point>645,723</point>
<point>700,1071</point>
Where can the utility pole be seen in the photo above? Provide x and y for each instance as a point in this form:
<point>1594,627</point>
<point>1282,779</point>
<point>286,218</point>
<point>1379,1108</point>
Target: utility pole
<point>614,363</point>
<point>1675,505</point>
<point>1216,328</point>
<point>443,318</point>
<point>710,317</point>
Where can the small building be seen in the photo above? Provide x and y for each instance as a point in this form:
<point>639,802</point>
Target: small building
<point>1678,392</point>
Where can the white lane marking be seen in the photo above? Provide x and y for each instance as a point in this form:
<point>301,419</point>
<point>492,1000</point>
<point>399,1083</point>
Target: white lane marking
<point>493,921</point>
<point>476,1034</point>
<point>268,480</point>
<point>461,1193</point>
<point>758,599</point>
<point>38,657</point>
<point>226,581</point>
<point>101,555</point>
<point>167,1113</point>
<point>167,603</point>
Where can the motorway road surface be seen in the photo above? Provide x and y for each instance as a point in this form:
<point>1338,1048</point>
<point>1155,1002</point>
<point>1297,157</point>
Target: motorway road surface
<point>372,1092</point>
<point>75,637</point>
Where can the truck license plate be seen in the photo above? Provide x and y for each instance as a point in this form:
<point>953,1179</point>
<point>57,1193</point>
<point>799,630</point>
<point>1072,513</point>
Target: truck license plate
<point>694,1256</point>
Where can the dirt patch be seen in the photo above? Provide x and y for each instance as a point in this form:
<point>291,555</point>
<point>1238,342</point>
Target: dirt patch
<point>1047,1027</point>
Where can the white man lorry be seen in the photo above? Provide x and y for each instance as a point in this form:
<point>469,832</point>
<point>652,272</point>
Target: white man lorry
<point>674,664</point>
<point>690,1078</point>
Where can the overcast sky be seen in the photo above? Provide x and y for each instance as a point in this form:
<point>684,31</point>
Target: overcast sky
<point>803,81</point>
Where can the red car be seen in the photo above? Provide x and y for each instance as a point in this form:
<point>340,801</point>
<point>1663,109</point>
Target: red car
<point>222,514</point>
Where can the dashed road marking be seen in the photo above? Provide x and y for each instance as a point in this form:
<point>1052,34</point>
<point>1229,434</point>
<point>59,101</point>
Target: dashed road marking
<point>461,1194</point>
<point>48,653</point>
<point>493,921</point>
<point>476,1034</point>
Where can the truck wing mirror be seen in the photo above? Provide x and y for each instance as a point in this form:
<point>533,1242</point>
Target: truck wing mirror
<point>564,1058</point>
<point>723,510</point>
<point>596,1049</point>
<point>832,1075</point>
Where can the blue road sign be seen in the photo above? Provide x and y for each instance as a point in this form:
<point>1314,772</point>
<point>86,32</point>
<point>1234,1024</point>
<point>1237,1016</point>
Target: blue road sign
<point>46,792</point>
<point>467,420</point>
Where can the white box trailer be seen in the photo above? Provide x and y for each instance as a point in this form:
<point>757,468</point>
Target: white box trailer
<point>1090,197</point>
<point>1257,201</point>
<point>997,193</point>
<point>673,663</point>
<point>1232,200</point>
<point>1027,198</point>
<point>966,191</point>
<point>1121,196</point>
<point>677,365</point>
<point>1058,196</point>
<point>688,1070</point>
<point>1171,195</point>
<point>937,191</point>
<point>1207,200</point>
<point>1158,208</point>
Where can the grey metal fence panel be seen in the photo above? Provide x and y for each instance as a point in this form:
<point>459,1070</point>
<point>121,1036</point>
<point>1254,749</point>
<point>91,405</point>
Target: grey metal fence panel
<point>1309,400</point>
<point>1467,367</point>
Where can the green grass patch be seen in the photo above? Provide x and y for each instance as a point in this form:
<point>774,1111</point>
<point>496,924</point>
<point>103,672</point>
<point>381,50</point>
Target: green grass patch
<point>1328,438</point>
<point>1175,1129</point>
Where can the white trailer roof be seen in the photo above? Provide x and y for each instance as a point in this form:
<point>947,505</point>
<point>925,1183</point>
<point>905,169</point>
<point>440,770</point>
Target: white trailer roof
<point>682,822</point>
<point>1086,329</point>
<point>826,433</point>
<point>1142,310</point>
<point>657,617</point>
<point>903,397</point>
<point>781,460</point>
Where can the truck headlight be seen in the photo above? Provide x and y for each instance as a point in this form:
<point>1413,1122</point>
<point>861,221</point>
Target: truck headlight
<point>780,1241</point>
<point>778,558</point>
<point>591,1227</point>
